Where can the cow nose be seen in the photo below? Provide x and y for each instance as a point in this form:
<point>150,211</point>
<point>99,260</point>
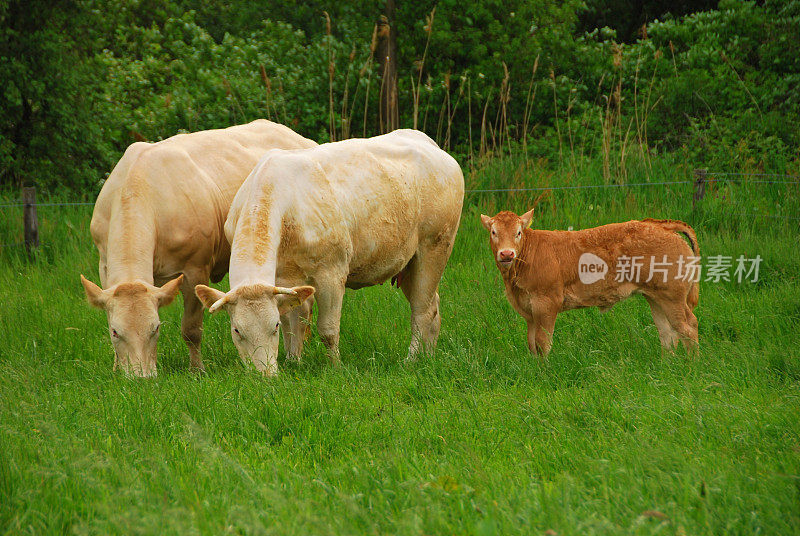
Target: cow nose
<point>507,254</point>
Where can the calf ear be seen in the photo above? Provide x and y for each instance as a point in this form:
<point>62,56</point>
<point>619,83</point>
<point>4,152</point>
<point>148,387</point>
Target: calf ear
<point>211,298</point>
<point>94,294</point>
<point>527,218</point>
<point>168,291</point>
<point>486,221</point>
<point>287,302</point>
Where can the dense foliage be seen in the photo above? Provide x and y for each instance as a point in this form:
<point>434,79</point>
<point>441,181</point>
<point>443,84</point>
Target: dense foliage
<point>84,78</point>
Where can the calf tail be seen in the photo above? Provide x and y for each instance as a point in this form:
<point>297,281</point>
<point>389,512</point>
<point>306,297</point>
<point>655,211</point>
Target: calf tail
<point>678,226</point>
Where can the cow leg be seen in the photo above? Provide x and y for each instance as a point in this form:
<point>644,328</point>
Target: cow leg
<point>329,296</point>
<point>546,324</point>
<point>683,321</point>
<point>691,339</point>
<point>288,326</point>
<point>667,335</point>
<point>295,328</point>
<point>532,336</point>
<point>419,283</point>
<point>192,321</point>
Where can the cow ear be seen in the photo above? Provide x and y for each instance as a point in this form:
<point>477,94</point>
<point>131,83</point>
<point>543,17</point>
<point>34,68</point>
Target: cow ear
<point>486,221</point>
<point>96,296</point>
<point>169,291</point>
<point>527,218</point>
<point>287,302</point>
<point>211,298</point>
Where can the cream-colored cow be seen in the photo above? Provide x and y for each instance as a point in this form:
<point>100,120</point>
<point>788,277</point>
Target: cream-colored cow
<point>358,213</point>
<point>159,220</point>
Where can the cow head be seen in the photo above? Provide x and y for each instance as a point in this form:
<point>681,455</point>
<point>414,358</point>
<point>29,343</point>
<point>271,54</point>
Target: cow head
<point>506,231</point>
<point>133,323</point>
<point>255,312</point>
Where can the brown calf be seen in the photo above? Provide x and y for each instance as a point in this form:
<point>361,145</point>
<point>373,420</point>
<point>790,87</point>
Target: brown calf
<point>546,272</point>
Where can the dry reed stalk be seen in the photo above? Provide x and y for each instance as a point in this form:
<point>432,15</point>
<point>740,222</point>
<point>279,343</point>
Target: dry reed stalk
<point>484,140</point>
<point>570,103</point>
<point>283,102</point>
<point>672,50</point>
<point>345,120</point>
<point>636,102</point>
<point>528,102</point>
<point>380,96</point>
<point>656,56</point>
<point>235,99</point>
<point>445,104</point>
<point>331,70</point>
<point>267,90</point>
<point>428,30</point>
<point>505,96</point>
<point>558,127</point>
<point>469,124</point>
<point>741,81</point>
<point>372,46</point>
<point>452,114</point>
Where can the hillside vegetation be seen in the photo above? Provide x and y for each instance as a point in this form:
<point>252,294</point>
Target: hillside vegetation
<point>85,78</point>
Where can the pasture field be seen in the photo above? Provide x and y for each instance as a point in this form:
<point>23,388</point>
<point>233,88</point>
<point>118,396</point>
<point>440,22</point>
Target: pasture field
<point>608,436</point>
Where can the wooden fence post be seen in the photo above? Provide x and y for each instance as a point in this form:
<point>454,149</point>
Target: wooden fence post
<point>31,221</point>
<point>699,186</point>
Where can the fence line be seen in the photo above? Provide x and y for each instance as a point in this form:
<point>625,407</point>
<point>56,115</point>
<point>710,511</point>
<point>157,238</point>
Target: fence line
<point>579,187</point>
<point>69,204</point>
<point>710,174</point>
<point>735,174</point>
<point>702,178</point>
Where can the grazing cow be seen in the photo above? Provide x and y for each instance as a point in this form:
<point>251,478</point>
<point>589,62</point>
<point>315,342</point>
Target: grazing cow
<point>159,220</point>
<point>359,212</point>
<point>546,272</point>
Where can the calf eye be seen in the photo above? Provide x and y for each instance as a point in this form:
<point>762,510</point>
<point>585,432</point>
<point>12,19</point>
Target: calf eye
<point>494,233</point>
<point>519,233</point>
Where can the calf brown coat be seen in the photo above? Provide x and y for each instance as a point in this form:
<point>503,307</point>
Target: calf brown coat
<point>542,272</point>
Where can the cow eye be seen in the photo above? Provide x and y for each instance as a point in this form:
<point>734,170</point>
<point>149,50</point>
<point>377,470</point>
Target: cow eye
<point>114,333</point>
<point>236,331</point>
<point>277,325</point>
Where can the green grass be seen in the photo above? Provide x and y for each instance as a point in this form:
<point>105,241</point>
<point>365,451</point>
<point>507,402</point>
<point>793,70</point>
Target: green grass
<point>608,436</point>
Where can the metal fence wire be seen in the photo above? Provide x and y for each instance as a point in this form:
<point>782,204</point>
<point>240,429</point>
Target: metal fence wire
<point>707,177</point>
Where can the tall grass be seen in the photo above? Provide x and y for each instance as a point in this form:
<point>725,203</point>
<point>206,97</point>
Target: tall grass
<point>607,436</point>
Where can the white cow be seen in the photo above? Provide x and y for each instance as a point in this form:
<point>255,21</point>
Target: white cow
<point>159,220</point>
<point>357,213</point>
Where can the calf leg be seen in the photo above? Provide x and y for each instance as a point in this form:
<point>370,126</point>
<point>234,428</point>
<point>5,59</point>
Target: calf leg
<point>192,321</point>
<point>532,336</point>
<point>685,323</point>
<point>546,324</point>
<point>667,335</point>
<point>329,295</point>
<point>675,321</point>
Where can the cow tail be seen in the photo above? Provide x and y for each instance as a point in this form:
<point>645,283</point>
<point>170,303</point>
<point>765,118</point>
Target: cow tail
<point>683,228</point>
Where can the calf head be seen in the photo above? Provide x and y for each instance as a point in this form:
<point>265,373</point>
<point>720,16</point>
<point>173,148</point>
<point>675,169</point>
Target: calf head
<point>506,231</point>
<point>133,322</point>
<point>255,312</point>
